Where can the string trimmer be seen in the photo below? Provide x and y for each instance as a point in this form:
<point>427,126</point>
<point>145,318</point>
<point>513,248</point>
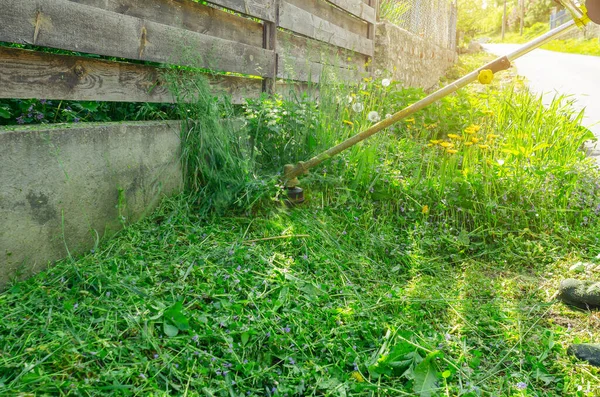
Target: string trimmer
<point>484,75</point>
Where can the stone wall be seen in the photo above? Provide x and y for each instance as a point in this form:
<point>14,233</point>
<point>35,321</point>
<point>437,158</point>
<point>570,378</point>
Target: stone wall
<point>63,188</point>
<point>408,58</point>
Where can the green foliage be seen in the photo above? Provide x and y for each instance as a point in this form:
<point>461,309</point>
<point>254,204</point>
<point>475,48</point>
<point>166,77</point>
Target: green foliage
<point>406,273</point>
<point>33,111</point>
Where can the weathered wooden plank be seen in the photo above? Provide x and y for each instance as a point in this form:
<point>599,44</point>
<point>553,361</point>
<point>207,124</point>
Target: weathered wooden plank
<point>330,13</point>
<point>357,8</point>
<point>30,74</point>
<point>303,70</point>
<point>303,22</point>
<point>292,45</point>
<point>289,89</point>
<point>187,15</point>
<point>77,27</point>
<point>262,9</point>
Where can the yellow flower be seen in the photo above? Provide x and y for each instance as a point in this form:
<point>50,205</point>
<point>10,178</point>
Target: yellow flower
<point>411,120</point>
<point>485,76</point>
<point>435,141</point>
<point>367,79</point>
<point>468,143</point>
<point>484,146</point>
<point>446,144</point>
<point>454,136</point>
<point>350,123</point>
<point>473,128</point>
<point>452,151</point>
<point>425,209</point>
<point>430,144</point>
<point>492,136</point>
<point>365,93</point>
<point>475,139</point>
<point>357,376</point>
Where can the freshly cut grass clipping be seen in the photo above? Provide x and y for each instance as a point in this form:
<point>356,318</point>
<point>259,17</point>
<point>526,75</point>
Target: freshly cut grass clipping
<point>216,156</point>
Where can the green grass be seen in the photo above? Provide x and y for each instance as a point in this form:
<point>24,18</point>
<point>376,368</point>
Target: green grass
<point>412,270</point>
<point>573,46</point>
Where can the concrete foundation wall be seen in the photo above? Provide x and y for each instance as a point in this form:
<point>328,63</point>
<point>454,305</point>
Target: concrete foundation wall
<point>66,187</point>
<point>408,58</point>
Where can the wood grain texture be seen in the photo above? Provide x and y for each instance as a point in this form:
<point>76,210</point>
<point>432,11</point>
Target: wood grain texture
<point>188,15</point>
<point>306,71</point>
<point>77,27</point>
<point>293,45</point>
<point>335,15</point>
<point>262,9</point>
<point>357,8</point>
<point>303,22</point>
<point>30,74</point>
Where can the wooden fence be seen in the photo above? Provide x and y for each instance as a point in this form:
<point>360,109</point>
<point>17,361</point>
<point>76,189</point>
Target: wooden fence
<point>251,44</point>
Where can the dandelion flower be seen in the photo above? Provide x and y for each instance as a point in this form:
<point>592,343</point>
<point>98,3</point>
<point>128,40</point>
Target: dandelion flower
<point>386,82</point>
<point>452,151</point>
<point>473,128</point>
<point>468,143</point>
<point>357,377</point>
<point>425,209</point>
<point>492,136</point>
<point>485,76</point>
<point>435,141</point>
<point>475,139</point>
<point>454,136</point>
<point>446,144</point>
<point>411,120</point>
<point>484,146</point>
<point>348,122</point>
<point>373,116</point>
<point>358,107</point>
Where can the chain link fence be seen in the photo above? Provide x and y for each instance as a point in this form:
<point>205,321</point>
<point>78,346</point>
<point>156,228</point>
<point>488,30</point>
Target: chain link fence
<point>432,20</point>
<point>558,17</point>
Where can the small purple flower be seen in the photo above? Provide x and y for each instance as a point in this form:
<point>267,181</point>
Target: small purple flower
<point>305,257</point>
<point>292,361</point>
<point>76,120</point>
<point>142,376</point>
<point>39,116</point>
<point>344,233</point>
<point>355,366</point>
<point>268,334</point>
<point>30,108</point>
<point>231,252</point>
<point>107,294</point>
<point>195,338</point>
<point>239,268</point>
<point>521,386</point>
<point>68,108</point>
<point>218,372</point>
<point>76,305</point>
<point>286,329</point>
<point>30,115</point>
<point>43,101</point>
<point>448,337</point>
<point>21,120</point>
<point>155,356</point>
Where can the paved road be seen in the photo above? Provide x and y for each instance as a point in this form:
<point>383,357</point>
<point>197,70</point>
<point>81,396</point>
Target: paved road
<point>550,72</point>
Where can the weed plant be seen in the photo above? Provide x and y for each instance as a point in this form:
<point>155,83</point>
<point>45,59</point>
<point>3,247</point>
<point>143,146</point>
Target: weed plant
<point>424,264</point>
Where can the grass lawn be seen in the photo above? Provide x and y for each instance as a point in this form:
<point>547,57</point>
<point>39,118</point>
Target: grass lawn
<point>572,46</point>
<point>424,264</point>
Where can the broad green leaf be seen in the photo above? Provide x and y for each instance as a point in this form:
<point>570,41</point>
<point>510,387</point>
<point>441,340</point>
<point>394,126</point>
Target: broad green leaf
<point>4,113</point>
<point>245,338</point>
<point>425,376</point>
<point>170,330</point>
<point>175,316</point>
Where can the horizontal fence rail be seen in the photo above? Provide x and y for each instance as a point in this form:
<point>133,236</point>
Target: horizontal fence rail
<point>117,50</point>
